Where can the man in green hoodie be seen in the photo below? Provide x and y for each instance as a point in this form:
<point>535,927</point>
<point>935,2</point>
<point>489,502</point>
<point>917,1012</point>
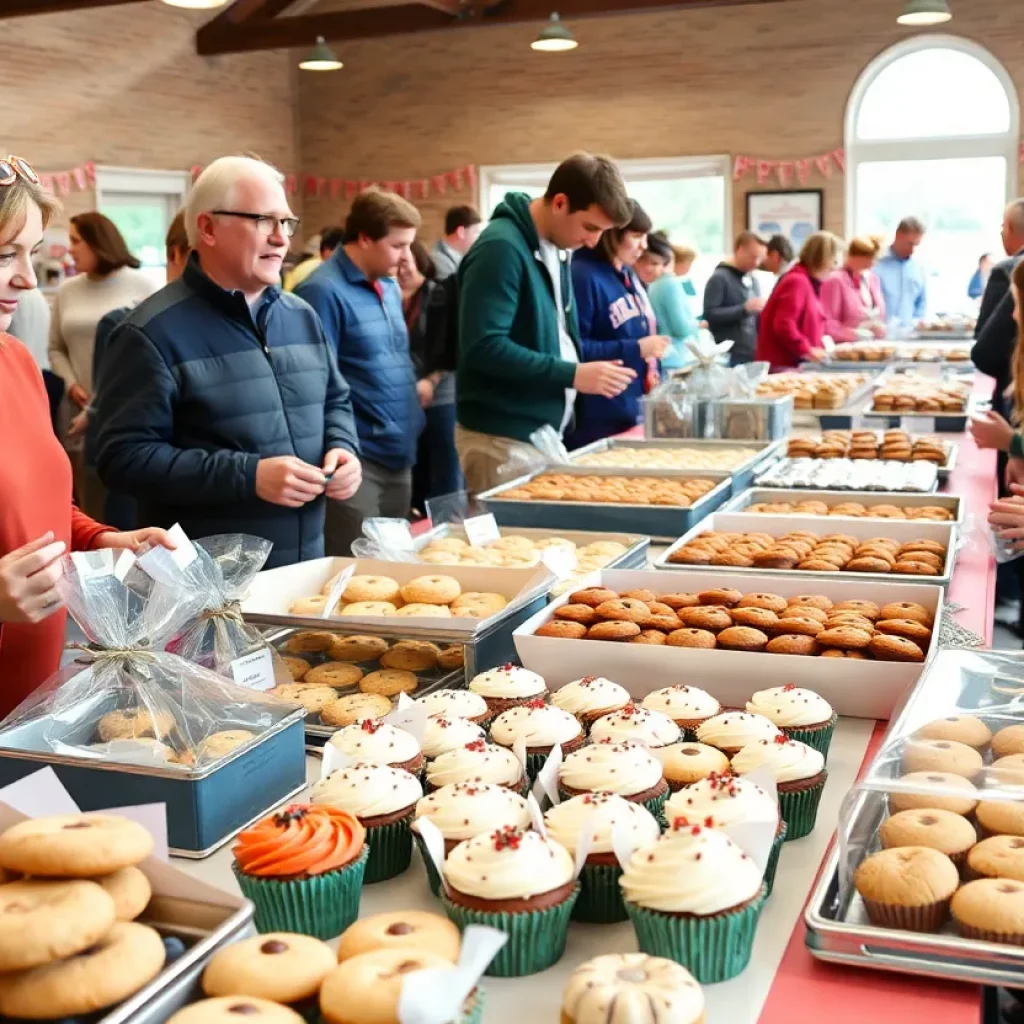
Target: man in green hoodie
<point>518,364</point>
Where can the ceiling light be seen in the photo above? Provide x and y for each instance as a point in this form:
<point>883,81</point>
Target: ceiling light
<point>925,12</point>
<point>204,5</point>
<point>321,58</point>
<point>554,37</point>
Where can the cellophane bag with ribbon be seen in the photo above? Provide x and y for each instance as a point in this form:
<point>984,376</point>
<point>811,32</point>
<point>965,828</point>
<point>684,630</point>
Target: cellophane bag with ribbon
<point>709,378</point>
<point>123,697</point>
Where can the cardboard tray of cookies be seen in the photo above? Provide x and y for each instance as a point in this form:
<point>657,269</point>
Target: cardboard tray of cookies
<point>784,501</point>
<point>932,562</point>
<point>855,687</point>
<point>929,786</point>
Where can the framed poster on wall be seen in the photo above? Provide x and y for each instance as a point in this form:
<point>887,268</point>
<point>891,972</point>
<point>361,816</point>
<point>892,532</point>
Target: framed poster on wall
<point>793,214</point>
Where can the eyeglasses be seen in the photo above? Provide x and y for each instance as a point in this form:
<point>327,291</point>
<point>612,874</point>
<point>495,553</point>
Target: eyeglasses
<point>266,224</point>
<point>12,168</point>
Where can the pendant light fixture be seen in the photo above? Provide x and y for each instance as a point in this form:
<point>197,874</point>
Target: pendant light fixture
<point>554,37</point>
<point>321,58</point>
<point>925,12</point>
<point>196,5</point>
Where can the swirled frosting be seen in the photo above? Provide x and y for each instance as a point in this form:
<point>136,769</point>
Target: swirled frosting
<point>735,729</point>
<point>508,863</point>
<point>475,762</point>
<point>589,695</point>
<point>508,681</point>
<point>791,760</point>
<point>376,742</point>
<point>600,813</point>
<point>637,723</point>
<point>624,768</point>
<point>682,703</point>
<point>367,790</point>
<point>457,703</point>
<point>720,801</point>
<point>790,706</point>
<point>465,809</point>
<point>445,732</point>
<point>537,724</point>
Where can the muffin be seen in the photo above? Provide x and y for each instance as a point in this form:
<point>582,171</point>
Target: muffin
<point>1009,740</point>
<point>384,800</point>
<point>695,897</point>
<point>933,789</point>
<point>687,706</point>
<point>375,742</point>
<point>637,723</point>
<point>1000,818</point>
<point>442,733</point>
<point>908,887</point>
<point>464,810</point>
<point>996,857</point>
<point>944,831</point>
<point>303,869</point>
<point>628,769</point>
<point>632,987</point>
<point>800,775</point>
<point>541,727</point>
<point>590,697</point>
<point>731,731</point>
<point>990,909</point>
<point>600,900</point>
<point>478,762</point>
<point>508,686</point>
<point>520,883</point>
<point>401,929</point>
<point>800,714</point>
<point>457,704</point>
<point>966,729</point>
<point>686,763</point>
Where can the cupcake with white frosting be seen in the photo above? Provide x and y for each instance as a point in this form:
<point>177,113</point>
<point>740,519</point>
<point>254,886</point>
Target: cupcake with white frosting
<point>508,686</point>
<point>592,818</point>
<point>442,733</point>
<point>636,723</point>
<point>457,703</point>
<point>628,769</point>
<point>731,731</point>
<point>687,706</point>
<point>695,897</point>
<point>384,800</point>
<point>801,714</point>
<point>590,698</point>
<point>541,727</point>
<point>800,775</point>
<point>519,882</point>
<point>377,742</point>
<point>478,761</point>
<point>683,764</point>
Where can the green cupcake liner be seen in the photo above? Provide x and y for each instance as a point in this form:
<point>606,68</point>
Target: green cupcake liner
<point>322,905</point>
<point>536,938</point>
<point>773,858</point>
<point>600,899</point>
<point>473,1008</point>
<point>534,763</point>
<point>432,877</point>
<point>800,810</point>
<point>820,738</point>
<point>712,949</point>
<point>390,849</point>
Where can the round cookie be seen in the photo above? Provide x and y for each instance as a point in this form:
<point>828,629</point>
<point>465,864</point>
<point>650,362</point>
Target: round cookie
<point>412,656</point>
<point>772,602</point>
<point>909,629</point>
<point>431,590</point>
<point>941,756</point>
<point>279,966</point>
<point>866,608</point>
<point>793,643</point>
<point>582,613</point>
<point>651,637</point>
<point>906,610</point>
<point>387,682</point>
<point>426,611</point>
<point>135,723</point>
<point>315,641</point>
<point>798,625</point>
<point>1009,740</point>
<point>560,629</point>
<point>742,638</point>
<point>711,618</point>
<point>623,609</point>
<point>962,796</point>
<point>677,601</point>
<point>475,605</point>
<point>355,708</point>
<point>357,648</point>
<point>372,588</point>
<point>962,728</point>
<point>42,921</point>
<point>336,674</point>
<point>594,596</point>
<point>846,638</point>
<point>452,657</point>
<point>130,890</point>
<point>373,609</point>
<point>308,607</point>
<point>813,600</point>
<point>724,596</point>
<point>894,648</point>
<point>110,970</point>
<point>806,611</point>
<point>612,630</point>
<point>231,1009</point>
<point>401,929</point>
<point>74,845</point>
<point>692,637</point>
<point>298,667</point>
<point>220,744</point>
<point>756,617</point>
<point>313,698</point>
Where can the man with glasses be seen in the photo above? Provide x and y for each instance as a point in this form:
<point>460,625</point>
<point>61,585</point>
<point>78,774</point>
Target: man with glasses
<point>222,407</point>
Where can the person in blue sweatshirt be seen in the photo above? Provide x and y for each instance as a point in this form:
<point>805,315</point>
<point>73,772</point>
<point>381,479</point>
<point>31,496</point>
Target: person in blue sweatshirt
<point>616,322</point>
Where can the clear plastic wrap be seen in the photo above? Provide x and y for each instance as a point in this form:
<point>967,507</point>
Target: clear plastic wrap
<point>744,379</point>
<point>124,698</point>
<point>709,379</point>
<point>387,539</point>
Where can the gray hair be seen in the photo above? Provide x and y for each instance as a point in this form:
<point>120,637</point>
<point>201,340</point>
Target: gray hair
<point>1015,215</point>
<point>215,188</point>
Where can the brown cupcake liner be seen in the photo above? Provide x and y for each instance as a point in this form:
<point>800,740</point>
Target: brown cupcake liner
<point>496,705</point>
<point>987,935</point>
<point>928,918</point>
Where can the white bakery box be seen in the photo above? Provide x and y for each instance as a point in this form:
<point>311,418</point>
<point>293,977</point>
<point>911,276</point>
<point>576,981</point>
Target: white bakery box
<point>854,687</point>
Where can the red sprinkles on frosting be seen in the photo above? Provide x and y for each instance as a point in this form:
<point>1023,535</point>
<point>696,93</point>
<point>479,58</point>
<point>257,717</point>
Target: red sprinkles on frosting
<point>781,739</point>
<point>537,703</point>
<point>507,838</point>
<point>370,725</point>
<point>789,687</point>
<point>587,680</point>
<point>477,746</point>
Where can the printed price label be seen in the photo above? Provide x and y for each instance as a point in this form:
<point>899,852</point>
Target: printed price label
<point>561,560</point>
<point>481,530</point>
<point>254,671</point>
<point>164,565</point>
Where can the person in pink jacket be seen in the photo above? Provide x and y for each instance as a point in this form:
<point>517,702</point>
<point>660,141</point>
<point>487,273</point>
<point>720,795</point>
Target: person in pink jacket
<point>793,322</point>
<point>852,297</point>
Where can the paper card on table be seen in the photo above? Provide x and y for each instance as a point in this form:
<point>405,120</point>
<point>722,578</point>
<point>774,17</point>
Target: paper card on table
<point>255,670</point>
<point>433,840</point>
<point>412,718</point>
<point>38,794</point>
<point>536,815</point>
<point>164,565</point>
<point>333,760</point>
<point>560,560</point>
<point>153,818</point>
<point>584,842</point>
<point>547,777</point>
<point>481,530</point>
<point>623,844</point>
<point>337,589</point>
<point>755,839</point>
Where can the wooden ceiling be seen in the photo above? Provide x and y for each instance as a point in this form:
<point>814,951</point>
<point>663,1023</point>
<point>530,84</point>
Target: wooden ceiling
<point>248,25</point>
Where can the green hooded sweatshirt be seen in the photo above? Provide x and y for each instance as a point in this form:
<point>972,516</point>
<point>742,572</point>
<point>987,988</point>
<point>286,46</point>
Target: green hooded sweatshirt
<point>511,377</point>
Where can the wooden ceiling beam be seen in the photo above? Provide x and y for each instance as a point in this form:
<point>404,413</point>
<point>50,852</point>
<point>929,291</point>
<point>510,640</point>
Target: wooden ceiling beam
<point>24,8</point>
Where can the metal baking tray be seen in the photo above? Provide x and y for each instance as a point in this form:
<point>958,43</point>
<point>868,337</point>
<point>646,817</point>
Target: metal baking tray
<point>944,422</point>
<point>736,419</point>
<point>901,499</point>
<point>944,470</point>
<point>742,474</point>
<point>659,522</point>
<point>854,402</point>
<point>765,479</point>
<point>778,526</point>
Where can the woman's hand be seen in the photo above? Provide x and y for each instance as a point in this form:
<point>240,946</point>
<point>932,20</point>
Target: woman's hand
<point>78,395</point>
<point>877,329</point>
<point>654,346</point>
<point>79,425</point>
<point>28,581</point>
<point>991,431</point>
<point>135,539</point>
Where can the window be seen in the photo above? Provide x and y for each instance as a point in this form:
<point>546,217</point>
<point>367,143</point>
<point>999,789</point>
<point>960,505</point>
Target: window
<point>932,131</point>
<point>686,197</point>
<point>142,204</point>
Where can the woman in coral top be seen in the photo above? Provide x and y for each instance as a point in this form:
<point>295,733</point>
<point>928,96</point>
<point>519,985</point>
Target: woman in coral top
<point>38,522</point>
<point>792,322</point>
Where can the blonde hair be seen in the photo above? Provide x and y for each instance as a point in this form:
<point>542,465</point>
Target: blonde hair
<point>1016,389</point>
<point>864,245</point>
<point>682,253</point>
<point>15,201</point>
<point>214,189</point>
<point>821,252</point>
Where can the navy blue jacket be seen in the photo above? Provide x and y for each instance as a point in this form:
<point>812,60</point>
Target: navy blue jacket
<point>369,336</point>
<point>196,389</point>
<point>614,314</point>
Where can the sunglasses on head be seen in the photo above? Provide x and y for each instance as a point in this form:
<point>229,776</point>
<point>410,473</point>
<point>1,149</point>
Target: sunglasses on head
<point>13,167</point>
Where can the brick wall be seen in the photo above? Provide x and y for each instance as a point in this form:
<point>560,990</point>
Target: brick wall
<point>769,80</point>
<point>123,86</point>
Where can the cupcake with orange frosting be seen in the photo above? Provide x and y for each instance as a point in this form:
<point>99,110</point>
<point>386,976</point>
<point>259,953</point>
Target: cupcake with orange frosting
<point>303,869</point>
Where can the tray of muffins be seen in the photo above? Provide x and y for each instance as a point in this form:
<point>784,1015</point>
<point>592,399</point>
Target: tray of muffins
<point>885,445</point>
<point>736,542</point>
<point>646,628</point>
<point>928,876</point>
<point>785,501</point>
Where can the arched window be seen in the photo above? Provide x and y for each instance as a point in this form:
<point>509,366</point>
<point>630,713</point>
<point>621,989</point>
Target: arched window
<point>932,131</point>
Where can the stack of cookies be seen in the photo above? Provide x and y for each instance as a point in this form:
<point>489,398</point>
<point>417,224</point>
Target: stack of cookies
<point>808,552</point>
<point>852,509</point>
<point>515,551</point>
<point>658,457</point>
<point>910,393</point>
<point>71,892</point>
<point>808,624</point>
<point>855,352</point>
<point>610,490</point>
<point>890,445</point>
<point>813,390</point>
